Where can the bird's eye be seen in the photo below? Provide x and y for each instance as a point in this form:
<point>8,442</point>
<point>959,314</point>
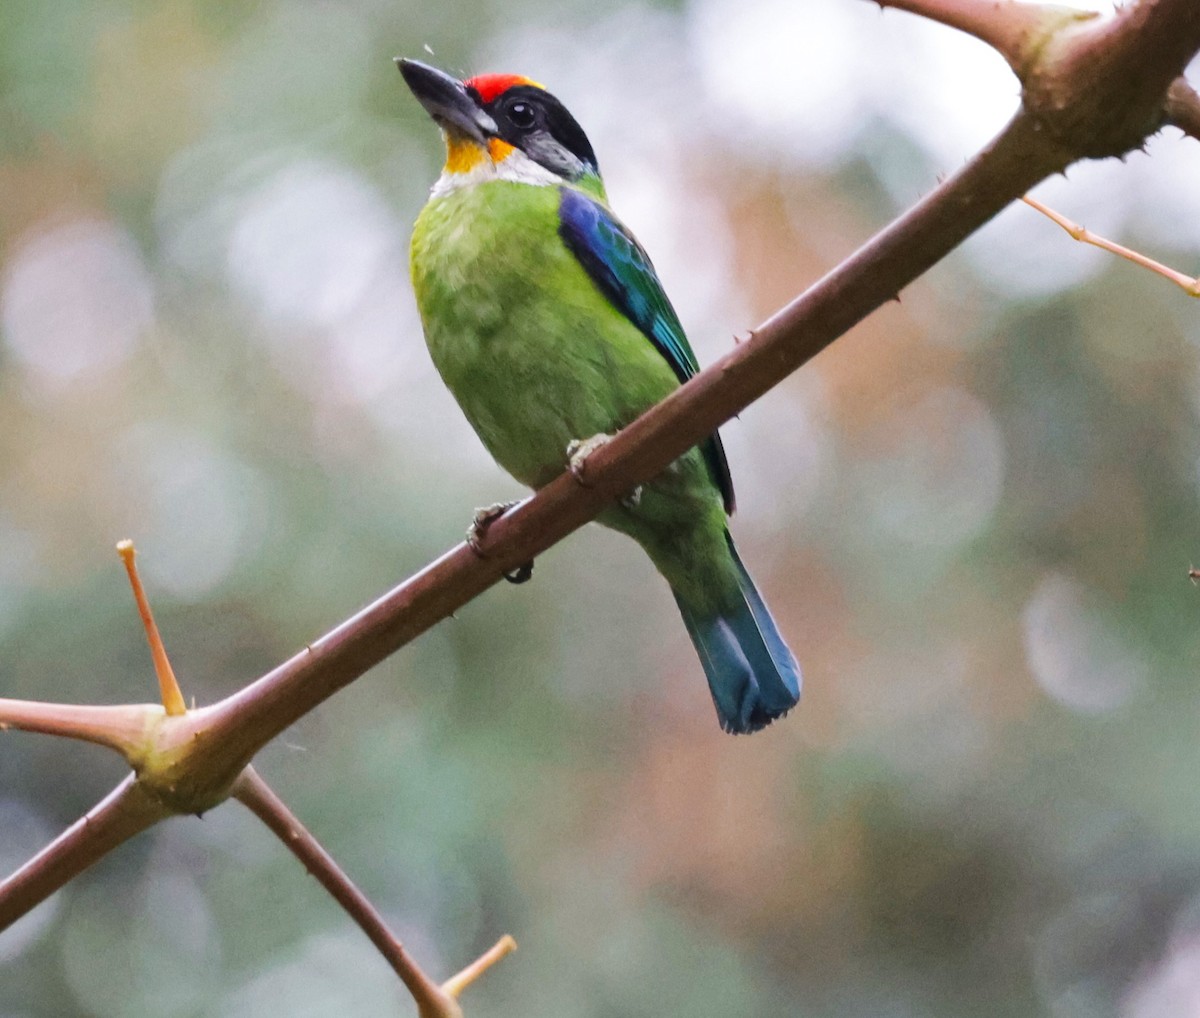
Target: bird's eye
<point>522,115</point>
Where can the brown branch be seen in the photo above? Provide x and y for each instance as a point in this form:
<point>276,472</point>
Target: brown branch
<point>1101,90</point>
<point>1015,29</point>
<point>122,728</point>
<point>127,810</point>
<point>1019,32</point>
<point>1183,108</point>
<point>257,796</point>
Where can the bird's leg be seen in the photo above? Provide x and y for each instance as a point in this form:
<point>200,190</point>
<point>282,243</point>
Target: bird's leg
<point>484,518</point>
<point>578,451</point>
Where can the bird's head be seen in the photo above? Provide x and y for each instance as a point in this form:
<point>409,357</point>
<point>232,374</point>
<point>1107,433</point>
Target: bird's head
<point>502,126</point>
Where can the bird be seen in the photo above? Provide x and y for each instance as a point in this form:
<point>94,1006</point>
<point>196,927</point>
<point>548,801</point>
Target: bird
<point>547,322</point>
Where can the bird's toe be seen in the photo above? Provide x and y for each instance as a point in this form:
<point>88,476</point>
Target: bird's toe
<point>578,451</point>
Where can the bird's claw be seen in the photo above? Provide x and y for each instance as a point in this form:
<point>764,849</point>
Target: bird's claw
<point>522,574</point>
<point>484,518</point>
<point>578,451</point>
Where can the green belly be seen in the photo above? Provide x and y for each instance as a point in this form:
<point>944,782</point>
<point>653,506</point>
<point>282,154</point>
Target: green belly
<point>535,355</point>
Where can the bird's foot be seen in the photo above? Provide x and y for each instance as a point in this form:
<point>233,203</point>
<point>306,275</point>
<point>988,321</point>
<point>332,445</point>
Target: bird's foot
<point>578,451</point>
<point>483,519</point>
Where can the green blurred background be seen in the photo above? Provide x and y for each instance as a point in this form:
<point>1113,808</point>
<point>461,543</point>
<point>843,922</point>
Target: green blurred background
<point>973,518</point>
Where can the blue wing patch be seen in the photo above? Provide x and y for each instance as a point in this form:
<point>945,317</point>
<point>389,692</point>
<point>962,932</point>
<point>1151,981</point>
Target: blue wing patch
<point>622,271</point>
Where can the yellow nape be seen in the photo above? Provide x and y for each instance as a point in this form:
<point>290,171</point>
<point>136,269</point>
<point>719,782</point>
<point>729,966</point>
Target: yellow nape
<point>499,150</point>
<point>462,154</point>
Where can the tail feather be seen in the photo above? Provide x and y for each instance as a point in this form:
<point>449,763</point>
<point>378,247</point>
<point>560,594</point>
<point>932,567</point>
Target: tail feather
<point>753,676</point>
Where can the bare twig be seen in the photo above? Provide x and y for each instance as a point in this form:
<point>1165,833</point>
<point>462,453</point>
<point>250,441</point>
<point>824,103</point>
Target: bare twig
<point>256,795</point>
<point>497,952</point>
<point>432,1001</point>
<point>127,810</point>
<point>1189,285</point>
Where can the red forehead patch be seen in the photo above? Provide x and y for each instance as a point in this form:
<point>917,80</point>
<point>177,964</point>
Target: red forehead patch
<point>491,85</point>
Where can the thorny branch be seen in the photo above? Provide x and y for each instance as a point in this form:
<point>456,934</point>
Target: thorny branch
<point>1014,29</point>
<point>127,810</point>
<point>1041,41</point>
<point>1093,87</point>
<point>135,805</point>
<point>433,1001</point>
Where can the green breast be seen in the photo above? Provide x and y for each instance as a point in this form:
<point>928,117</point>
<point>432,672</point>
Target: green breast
<point>533,352</point>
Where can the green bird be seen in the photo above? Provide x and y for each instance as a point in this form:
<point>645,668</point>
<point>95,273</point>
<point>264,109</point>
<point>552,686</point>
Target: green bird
<point>546,320</point>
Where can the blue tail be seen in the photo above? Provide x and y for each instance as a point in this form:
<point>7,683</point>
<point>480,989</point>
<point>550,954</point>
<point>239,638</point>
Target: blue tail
<point>752,674</point>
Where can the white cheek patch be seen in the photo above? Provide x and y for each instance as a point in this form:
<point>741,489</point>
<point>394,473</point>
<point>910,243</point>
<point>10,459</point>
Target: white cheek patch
<point>517,167</point>
<point>449,181</point>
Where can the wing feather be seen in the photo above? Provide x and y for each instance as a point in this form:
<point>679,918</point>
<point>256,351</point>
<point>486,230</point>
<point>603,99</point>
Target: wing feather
<point>622,271</point>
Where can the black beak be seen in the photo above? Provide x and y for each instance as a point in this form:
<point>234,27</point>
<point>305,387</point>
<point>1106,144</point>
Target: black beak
<point>447,101</point>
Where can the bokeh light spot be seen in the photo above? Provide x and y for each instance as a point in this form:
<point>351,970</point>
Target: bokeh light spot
<point>196,509</point>
<point>942,471</point>
<point>74,300</point>
<point>156,942</point>
<point>1073,654</point>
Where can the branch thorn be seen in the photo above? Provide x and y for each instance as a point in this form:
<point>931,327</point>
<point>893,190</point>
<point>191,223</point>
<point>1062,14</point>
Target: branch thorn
<point>172,695</point>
